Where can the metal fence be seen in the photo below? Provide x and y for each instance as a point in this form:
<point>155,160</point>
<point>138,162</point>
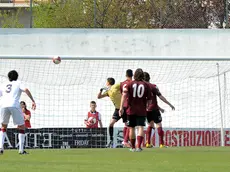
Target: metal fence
<point>126,14</point>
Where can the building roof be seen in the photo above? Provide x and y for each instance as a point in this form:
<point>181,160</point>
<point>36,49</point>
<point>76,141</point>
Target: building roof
<point>15,3</point>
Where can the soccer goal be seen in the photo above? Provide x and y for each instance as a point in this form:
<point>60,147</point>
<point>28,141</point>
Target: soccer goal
<point>199,88</point>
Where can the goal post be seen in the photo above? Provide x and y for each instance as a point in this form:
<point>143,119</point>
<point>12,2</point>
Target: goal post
<point>160,58</point>
<point>196,86</point>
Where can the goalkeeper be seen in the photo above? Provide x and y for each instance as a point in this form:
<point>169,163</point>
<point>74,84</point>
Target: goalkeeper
<point>113,92</point>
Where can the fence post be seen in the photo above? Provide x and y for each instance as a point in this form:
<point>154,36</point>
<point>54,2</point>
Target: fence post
<point>31,13</point>
<point>95,13</point>
<point>226,13</point>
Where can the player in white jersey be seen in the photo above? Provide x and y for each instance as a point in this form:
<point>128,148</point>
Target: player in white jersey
<point>10,93</point>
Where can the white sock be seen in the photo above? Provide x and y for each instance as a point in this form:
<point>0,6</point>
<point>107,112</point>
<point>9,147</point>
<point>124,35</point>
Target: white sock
<point>153,131</point>
<point>2,139</point>
<point>21,138</point>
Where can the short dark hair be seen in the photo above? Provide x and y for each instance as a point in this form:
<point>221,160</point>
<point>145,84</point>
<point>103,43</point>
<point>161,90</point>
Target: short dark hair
<point>24,103</point>
<point>139,74</point>
<point>146,77</point>
<point>129,73</point>
<point>111,81</point>
<point>13,75</point>
<point>92,102</point>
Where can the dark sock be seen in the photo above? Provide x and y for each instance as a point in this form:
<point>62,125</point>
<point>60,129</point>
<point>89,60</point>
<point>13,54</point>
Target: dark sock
<point>124,132</point>
<point>22,131</point>
<point>111,133</point>
<point>133,143</point>
<point>148,134</point>
<point>139,141</point>
<point>161,135</point>
<point>3,130</point>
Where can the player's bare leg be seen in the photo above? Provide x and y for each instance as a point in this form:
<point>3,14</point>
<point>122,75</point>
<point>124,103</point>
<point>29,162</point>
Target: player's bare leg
<point>161,134</point>
<point>2,137</point>
<point>140,138</point>
<point>110,144</point>
<point>148,134</point>
<point>132,138</point>
<point>21,138</point>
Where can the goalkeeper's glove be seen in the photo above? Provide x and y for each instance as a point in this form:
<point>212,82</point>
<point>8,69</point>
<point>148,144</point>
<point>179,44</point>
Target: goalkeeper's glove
<point>104,88</point>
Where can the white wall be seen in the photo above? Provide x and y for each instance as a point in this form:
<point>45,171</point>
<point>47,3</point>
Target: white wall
<point>94,42</point>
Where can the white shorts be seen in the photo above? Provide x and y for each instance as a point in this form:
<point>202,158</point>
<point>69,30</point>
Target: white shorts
<point>16,113</point>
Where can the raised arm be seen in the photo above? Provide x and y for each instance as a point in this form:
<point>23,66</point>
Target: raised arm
<point>27,91</point>
<point>158,93</point>
<point>166,101</point>
<point>100,95</point>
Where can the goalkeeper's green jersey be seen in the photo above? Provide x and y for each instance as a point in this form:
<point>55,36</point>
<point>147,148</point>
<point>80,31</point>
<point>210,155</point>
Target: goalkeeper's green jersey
<point>114,94</point>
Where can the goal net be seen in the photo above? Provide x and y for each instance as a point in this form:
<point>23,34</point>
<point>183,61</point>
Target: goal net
<point>199,92</point>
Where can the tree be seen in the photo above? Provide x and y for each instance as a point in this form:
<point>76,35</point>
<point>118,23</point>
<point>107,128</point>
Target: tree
<point>184,14</point>
<point>10,19</point>
<point>62,14</point>
<point>159,13</point>
<point>217,12</point>
<point>119,14</point>
<point>126,14</point>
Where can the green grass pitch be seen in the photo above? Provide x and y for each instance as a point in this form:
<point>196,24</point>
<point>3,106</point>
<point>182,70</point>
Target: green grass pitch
<point>193,159</point>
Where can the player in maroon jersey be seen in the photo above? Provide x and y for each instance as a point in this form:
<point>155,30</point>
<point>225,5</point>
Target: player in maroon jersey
<point>129,75</point>
<point>138,93</point>
<point>153,113</point>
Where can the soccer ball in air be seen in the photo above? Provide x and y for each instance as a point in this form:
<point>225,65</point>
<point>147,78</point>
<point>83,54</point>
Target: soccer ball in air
<point>57,59</point>
<point>92,120</point>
